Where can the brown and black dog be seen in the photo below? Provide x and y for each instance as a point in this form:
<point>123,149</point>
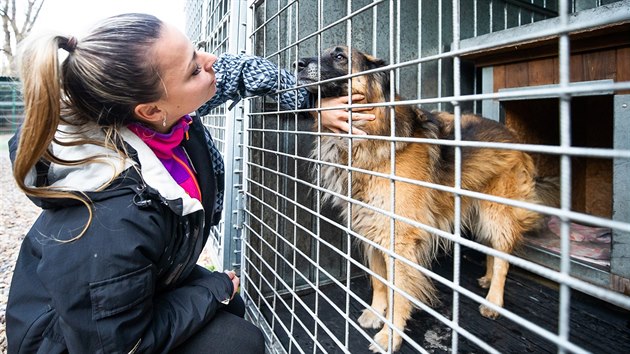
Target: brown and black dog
<point>498,172</point>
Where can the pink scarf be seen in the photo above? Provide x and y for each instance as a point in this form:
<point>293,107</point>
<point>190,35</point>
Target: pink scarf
<point>168,149</point>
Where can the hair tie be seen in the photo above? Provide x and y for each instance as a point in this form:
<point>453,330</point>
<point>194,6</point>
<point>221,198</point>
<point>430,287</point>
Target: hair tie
<point>70,45</point>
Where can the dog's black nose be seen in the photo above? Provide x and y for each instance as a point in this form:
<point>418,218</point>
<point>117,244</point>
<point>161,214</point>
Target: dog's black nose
<point>301,64</point>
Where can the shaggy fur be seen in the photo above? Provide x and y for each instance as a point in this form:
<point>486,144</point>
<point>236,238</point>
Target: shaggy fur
<point>505,173</point>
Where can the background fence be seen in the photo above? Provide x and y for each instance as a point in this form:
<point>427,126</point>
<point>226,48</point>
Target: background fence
<point>11,106</point>
<point>555,72</point>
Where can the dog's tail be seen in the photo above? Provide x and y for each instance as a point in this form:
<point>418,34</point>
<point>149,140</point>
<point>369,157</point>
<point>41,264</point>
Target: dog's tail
<point>548,191</point>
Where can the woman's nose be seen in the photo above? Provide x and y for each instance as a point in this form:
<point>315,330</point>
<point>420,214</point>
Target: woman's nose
<point>209,60</point>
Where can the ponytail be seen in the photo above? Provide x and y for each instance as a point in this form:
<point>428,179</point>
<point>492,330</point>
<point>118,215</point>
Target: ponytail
<point>43,98</point>
<point>41,90</point>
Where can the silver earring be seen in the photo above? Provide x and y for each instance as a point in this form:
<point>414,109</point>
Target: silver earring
<point>164,121</point>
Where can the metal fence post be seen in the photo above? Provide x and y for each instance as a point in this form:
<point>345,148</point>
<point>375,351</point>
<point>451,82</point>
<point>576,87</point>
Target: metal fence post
<point>234,149</point>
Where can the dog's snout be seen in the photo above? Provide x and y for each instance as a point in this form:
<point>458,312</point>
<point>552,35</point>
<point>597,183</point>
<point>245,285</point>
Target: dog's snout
<point>307,69</point>
<point>312,70</point>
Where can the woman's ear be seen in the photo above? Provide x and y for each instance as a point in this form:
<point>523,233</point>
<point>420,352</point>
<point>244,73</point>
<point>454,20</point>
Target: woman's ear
<point>149,112</point>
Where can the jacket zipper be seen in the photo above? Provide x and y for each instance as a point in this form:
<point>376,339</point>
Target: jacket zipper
<point>190,172</point>
<point>135,347</point>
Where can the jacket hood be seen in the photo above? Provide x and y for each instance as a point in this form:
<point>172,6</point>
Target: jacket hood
<point>102,176</point>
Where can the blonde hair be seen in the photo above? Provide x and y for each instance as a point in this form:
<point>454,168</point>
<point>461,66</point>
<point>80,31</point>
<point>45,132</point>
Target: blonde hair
<point>104,76</point>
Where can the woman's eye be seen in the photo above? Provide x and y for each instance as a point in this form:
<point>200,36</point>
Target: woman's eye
<point>197,70</point>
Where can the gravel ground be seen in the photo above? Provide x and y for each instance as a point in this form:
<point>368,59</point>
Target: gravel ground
<point>17,213</point>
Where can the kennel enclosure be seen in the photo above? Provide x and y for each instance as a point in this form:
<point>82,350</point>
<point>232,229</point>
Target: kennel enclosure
<point>555,72</point>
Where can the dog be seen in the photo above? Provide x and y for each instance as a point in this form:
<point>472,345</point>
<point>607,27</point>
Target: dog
<point>499,172</point>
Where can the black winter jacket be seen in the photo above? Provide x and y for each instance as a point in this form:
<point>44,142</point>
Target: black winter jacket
<point>131,281</point>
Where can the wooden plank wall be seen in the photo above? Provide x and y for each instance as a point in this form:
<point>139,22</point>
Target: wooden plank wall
<point>612,64</point>
<point>536,121</point>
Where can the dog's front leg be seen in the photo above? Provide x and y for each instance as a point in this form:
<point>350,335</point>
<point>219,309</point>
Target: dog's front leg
<point>376,263</point>
<point>485,281</point>
<point>401,312</point>
<point>497,285</point>
<point>409,280</point>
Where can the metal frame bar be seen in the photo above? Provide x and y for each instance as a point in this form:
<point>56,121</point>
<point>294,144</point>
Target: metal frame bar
<point>220,29</point>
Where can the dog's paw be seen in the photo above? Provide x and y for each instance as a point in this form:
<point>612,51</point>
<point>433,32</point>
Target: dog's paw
<point>382,339</point>
<point>484,282</point>
<point>369,320</point>
<point>488,312</point>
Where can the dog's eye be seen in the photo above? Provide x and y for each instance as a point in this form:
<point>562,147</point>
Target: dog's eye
<point>339,56</point>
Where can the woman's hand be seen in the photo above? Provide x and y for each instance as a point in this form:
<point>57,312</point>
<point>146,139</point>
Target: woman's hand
<point>337,120</point>
<point>235,281</point>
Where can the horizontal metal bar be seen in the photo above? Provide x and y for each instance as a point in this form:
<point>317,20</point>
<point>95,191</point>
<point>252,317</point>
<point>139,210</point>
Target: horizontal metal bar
<point>587,90</point>
<point>533,7</point>
<point>546,149</point>
<point>532,92</point>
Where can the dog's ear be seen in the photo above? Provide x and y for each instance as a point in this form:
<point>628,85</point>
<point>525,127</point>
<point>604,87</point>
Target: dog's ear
<point>379,81</point>
<point>422,115</point>
<point>374,62</point>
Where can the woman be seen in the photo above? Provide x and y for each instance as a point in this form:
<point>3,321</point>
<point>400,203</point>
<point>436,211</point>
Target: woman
<point>129,185</point>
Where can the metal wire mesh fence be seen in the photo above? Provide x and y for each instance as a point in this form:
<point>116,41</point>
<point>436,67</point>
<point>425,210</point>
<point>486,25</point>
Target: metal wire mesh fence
<point>554,72</point>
